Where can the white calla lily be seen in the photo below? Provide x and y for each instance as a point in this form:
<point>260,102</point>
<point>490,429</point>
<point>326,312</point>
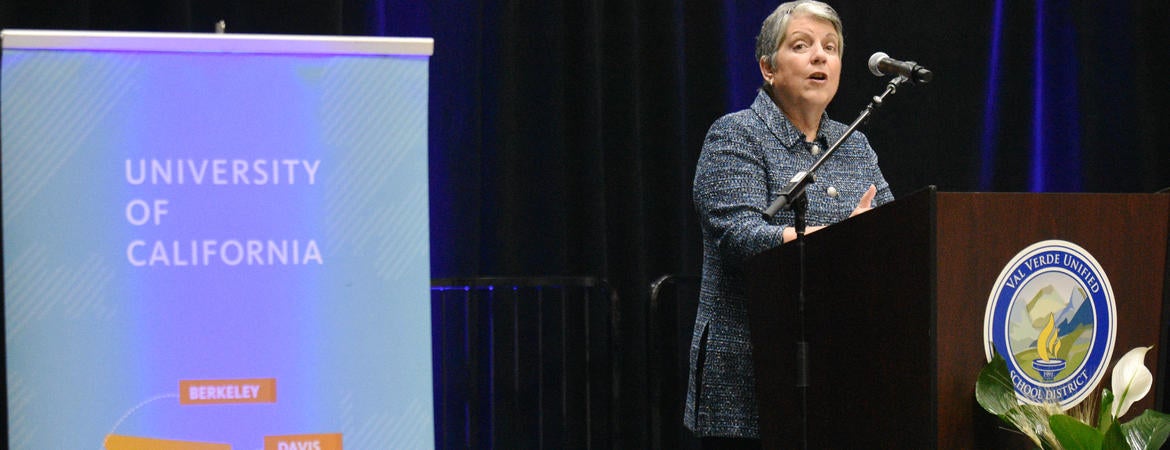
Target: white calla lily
<point>1131,380</point>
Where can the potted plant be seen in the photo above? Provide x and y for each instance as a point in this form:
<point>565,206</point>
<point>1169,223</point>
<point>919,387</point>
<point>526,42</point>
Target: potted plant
<point>1051,427</point>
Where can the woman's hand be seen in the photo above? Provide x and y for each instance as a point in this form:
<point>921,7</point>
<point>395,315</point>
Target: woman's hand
<point>866,202</point>
<point>863,205</point>
<point>790,232</point>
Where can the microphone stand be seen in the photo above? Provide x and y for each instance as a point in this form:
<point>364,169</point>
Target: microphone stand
<point>793,197</point>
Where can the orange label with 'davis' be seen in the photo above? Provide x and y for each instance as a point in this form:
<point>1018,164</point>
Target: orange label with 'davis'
<point>119,442</point>
<point>326,441</point>
<point>208,392</point>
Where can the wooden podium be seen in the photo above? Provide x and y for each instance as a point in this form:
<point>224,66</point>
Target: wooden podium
<point>895,300</point>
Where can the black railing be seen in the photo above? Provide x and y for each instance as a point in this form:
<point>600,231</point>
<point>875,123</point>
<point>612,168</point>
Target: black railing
<point>524,362</point>
<point>673,302</point>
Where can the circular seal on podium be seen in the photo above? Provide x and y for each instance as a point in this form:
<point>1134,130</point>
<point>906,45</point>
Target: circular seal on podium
<point>1052,316</point>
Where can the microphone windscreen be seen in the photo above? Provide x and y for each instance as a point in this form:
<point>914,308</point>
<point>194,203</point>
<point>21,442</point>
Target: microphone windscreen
<point>874,61</point>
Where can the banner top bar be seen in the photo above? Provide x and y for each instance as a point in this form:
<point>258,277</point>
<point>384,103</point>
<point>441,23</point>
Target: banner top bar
<point>214,43</point>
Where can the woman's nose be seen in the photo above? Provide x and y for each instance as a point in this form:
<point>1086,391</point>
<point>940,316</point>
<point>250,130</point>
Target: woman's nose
<point>819,54</point>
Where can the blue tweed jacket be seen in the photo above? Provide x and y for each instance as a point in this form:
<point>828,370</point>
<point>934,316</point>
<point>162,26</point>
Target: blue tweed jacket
<point>747,157</point>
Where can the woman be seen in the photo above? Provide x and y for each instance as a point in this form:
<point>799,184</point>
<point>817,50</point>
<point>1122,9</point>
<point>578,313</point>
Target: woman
<point>747,157</point>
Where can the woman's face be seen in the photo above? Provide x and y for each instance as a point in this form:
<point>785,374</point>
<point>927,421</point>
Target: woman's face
<point>807,67</point>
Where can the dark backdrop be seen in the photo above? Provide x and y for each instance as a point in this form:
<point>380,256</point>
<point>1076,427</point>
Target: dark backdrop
<point>563,134</point>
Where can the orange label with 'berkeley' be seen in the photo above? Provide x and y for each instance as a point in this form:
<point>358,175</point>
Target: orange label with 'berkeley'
<point>118,442</point>
<point>208,392</point>
<point>327,441</point>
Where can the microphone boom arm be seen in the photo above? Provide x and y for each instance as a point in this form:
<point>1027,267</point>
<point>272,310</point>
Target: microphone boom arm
<point>796,186</point>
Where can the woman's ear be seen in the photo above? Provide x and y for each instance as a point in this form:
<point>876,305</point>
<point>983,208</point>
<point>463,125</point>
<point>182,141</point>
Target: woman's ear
<point>766,70</point>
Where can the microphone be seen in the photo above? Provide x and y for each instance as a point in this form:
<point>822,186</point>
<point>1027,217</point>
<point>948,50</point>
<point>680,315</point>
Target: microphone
<point>882,64</point>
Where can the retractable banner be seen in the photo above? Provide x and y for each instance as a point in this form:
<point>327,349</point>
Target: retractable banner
<point>215,241</point>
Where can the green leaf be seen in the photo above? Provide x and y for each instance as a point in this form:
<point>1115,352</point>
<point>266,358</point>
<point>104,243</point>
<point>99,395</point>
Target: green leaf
<point>1115,439</point>
<point>1073,434</point>
<point>1105,417</point>
<point>993,389</point>
<point>1148,431</point>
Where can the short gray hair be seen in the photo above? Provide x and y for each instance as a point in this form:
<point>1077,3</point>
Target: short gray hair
<point>775,27</point>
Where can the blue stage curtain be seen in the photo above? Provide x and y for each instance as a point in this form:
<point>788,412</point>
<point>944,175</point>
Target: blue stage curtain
<point>564,134</point>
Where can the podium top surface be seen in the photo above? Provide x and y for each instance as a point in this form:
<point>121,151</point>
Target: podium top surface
<point>214,43</point>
